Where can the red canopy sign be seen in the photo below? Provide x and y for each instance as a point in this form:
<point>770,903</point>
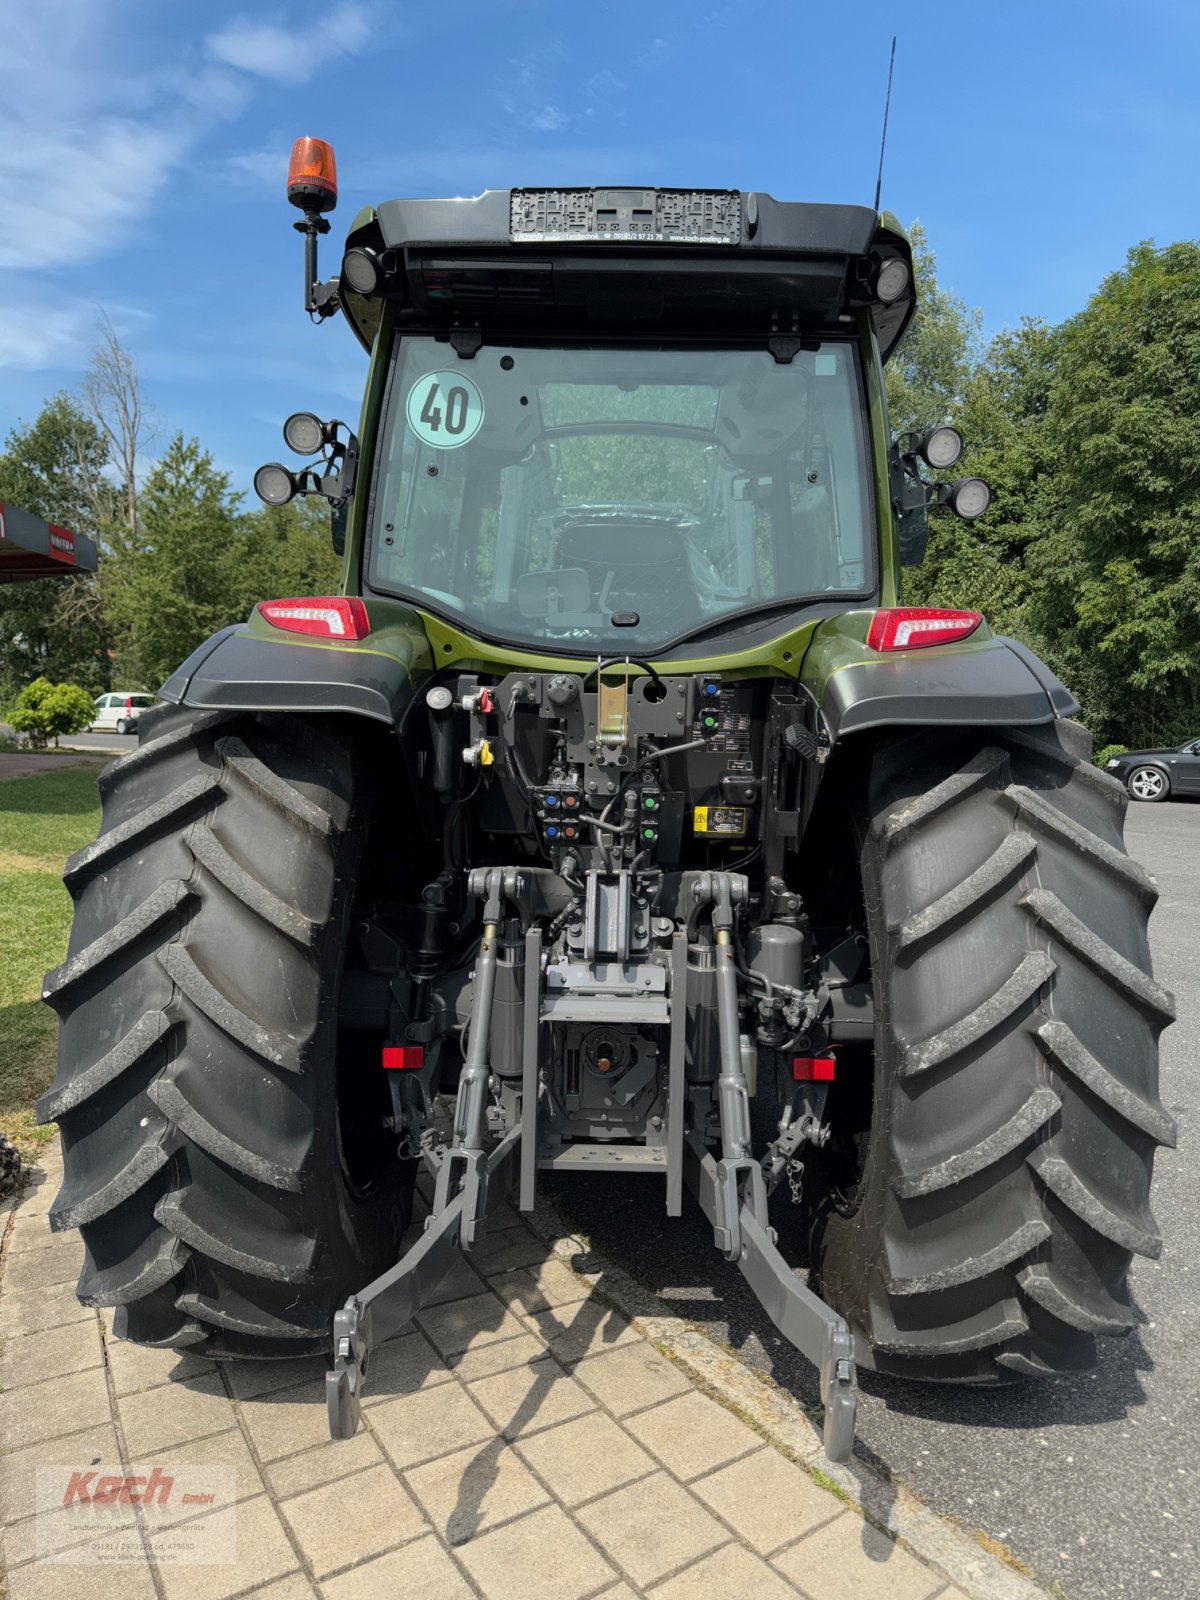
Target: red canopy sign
<point>31,548</point>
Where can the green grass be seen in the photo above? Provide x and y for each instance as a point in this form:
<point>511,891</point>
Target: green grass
<point>49,814</point>
<point>43,818</point>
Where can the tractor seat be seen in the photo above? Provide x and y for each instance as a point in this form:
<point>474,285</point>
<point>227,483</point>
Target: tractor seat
<point>635,560</point>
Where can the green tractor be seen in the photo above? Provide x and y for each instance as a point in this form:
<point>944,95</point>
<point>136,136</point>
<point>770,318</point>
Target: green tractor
<point>616,793</point>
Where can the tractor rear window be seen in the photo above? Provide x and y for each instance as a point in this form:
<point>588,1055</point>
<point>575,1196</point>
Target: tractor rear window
<point>550,495</point>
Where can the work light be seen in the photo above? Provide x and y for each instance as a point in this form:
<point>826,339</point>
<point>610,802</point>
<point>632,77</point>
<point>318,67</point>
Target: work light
<point>969,498</point>
<point>304,433</point>
<point>941,447</point>
<point>892,280</point>
<point>274,484</point>
<point>360,269</point>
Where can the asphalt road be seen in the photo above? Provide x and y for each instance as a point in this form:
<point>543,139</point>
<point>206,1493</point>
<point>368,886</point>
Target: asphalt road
<point>117,743</point>
<point>1094,1482</point>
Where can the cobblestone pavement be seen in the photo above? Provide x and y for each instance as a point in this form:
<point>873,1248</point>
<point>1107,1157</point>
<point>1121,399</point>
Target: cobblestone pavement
<point>522,1440</point>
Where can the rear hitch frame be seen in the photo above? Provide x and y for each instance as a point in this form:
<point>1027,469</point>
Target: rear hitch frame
<point>384,1306</point>
<point>731,1190</point>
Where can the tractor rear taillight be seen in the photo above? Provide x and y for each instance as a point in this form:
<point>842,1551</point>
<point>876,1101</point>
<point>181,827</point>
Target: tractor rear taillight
<point>918,627</point>
<point>326,616</point>
<point>812,1069</point>
<point>404,1057</point>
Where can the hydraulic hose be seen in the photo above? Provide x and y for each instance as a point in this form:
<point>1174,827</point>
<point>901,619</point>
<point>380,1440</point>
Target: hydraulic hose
<point>675,749</point>
<point>620,661</point>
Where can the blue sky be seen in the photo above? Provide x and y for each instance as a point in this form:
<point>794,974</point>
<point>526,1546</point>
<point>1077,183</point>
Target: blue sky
<point>144,144</point>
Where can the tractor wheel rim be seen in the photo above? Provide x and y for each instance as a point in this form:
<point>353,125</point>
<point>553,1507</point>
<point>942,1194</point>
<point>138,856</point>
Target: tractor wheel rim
<point>1146,785</point>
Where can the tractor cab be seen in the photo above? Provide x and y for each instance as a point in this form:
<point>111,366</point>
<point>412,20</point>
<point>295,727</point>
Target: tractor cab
<point>619,420</point>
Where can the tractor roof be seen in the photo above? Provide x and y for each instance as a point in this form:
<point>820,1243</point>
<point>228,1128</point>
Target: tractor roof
<point>611,260</point>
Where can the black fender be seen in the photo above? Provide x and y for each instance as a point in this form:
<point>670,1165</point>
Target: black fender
<point>238,670</point>
<point>996,683</point>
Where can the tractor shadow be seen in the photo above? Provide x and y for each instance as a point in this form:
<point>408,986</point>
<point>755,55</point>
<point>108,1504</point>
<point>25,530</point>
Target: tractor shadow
<point>488,1360</point>
<point>675,1258</point>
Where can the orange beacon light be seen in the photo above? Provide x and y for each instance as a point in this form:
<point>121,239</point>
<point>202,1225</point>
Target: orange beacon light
<point>312,176</point>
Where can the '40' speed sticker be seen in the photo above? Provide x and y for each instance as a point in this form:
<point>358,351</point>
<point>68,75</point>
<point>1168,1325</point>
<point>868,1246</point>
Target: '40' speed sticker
<point>445,409</point>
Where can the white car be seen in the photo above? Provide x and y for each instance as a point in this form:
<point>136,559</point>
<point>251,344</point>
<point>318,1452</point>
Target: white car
<point>118,713</point>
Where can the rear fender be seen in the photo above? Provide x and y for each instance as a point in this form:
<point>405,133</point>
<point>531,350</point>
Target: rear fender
<point>255,667</point>
<point>986,681</point>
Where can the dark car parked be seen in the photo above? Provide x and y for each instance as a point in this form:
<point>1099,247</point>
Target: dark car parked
<point>1155,774</point>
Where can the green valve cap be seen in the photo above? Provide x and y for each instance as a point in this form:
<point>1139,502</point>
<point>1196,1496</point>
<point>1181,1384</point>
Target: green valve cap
<point>649,802</point>
<point>709,722</point>
<point>649,833</point>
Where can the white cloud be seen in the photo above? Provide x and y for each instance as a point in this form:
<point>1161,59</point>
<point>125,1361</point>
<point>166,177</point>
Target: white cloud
<point>35,337</point>
<point>656,54</point>
<point>289,53</point>
<point>72,188</point>
<point>90,130</point>
<point>533,93</point>
<point>602,85</point>
<point>86,138</point>
<point>38,334</point>
<point>548,119</point>
<point>259,168</point>
<point>94,122</point>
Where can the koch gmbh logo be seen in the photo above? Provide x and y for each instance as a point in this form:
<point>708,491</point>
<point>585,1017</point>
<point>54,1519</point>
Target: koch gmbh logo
<point>91,1488</point>
<point>106,1513</point>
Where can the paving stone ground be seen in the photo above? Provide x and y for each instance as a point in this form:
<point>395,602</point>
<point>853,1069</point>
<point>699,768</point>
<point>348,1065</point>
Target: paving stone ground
<point>521,1442</point>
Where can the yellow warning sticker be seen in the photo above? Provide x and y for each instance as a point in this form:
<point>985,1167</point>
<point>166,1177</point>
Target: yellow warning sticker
<point>718,819</point>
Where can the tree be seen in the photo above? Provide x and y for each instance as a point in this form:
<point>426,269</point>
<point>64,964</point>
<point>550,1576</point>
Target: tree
<point>113,399</point>
<point>930,366</point>
<point>1002,417</point>
<point>46,710</point>
<point>54,468</point>
<point>186,577</point>
<point>1116,574</point>
<point>288,551</point>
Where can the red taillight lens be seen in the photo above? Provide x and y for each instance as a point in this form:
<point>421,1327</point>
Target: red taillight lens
<point>812,1069</point>
<point>917,627</point>
<point>327,616</point>
<point>404,1057</point>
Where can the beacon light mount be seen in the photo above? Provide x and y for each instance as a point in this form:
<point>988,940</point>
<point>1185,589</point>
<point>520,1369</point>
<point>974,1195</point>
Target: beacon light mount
<point>312,186</point>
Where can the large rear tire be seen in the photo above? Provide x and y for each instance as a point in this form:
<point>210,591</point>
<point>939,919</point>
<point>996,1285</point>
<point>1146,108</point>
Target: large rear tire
<point>987,1214</point>
<point>230,1188</point>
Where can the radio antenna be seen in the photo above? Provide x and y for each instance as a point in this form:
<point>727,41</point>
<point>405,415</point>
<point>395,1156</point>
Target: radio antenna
<point>886,107</point>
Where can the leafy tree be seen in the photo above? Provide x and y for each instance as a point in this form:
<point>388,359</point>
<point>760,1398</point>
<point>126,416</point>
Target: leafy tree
<point>288,551</point>
<point>54,468</point>
<point>1002,416</point>
<point>1116,574</point>
<point>46,710</point>
<point>930,366</point>
<point>185,575</point>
